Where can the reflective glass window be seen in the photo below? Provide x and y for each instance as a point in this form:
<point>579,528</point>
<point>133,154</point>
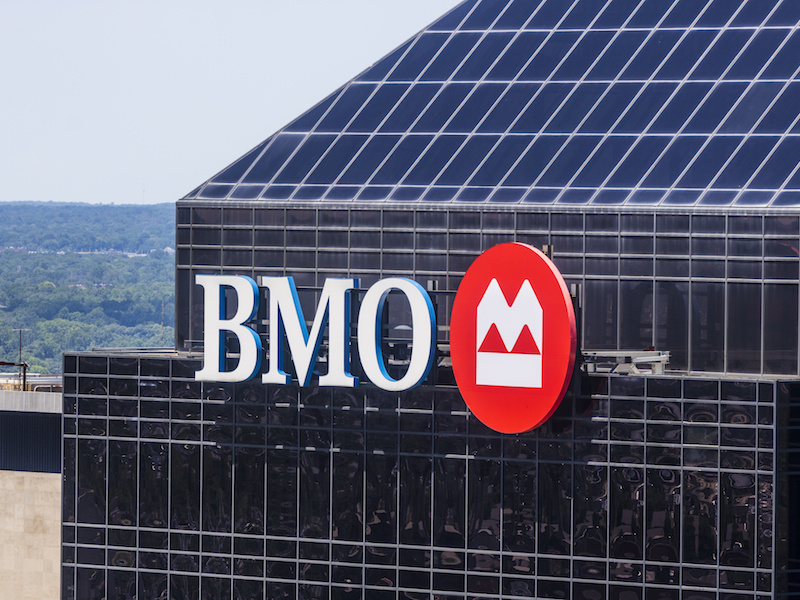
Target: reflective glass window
<point>467,160</point>
<point>575,108</point>
<point>418,57</point>
<point>648,103</point>
<point>409,108</point>
<point>780,316</point>
<point>583,55</point>
<point>715,107</point>
<point>438,154</point>
<point>555,527</point>
<point>273,158</point>
<point>442,107</point>
<point>779,166</point>
<point>605,113</point>
<point>551,12</point>
<point>619,52</point>
<point>708,330</point>
<point>475,107</point>
<point>744,332</point>
<point>508,107</point>
<point>652,53</point>
<point>546,102</point>
<point>700,522</point>
<point>751,108</point>
<point>600,312</point>
<point>516,55</point>
<point>452,54</point>
<point>662,515</point>
<point>674,159</point>
<point>709,162</point>
<point>745,162</point>
<point>373,153</point>
<point>550,55</point>
<point>605,158</point>
<point>751,61</point>
<point>531,165</point>
<point>685,55</point>
<point>573,153</point>
<point>483,56</point>
<point>377,107</point>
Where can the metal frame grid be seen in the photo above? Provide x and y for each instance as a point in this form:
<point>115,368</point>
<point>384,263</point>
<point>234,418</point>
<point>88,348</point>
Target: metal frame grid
<point>642,103</point>
<point>637,487</point>
<point>737,272</point>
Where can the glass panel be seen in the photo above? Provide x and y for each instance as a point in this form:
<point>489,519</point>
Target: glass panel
<point>636,321</point>
<point>519,507</point>
<point>91,481</point>
<point>708,326</point>
<point>347,496</point>
<point>415,500</point>
<point>122,484</point>
<point>248,499</point>
<point>484,504</point>
<point>700,522</point>
<point>663,502</point>
<point>780,325</point>
<point>453,52</point>
<point>591,500</point>
<point>282,492</point>
<point>625,513</point>
<point>381,495</point>
<point>153,484</point>
<point>449,519</point>
<point>314,498</point>
<point>600,312</point>
<point>744,332</point>
<point>555,527</point>
<point>672,322</point>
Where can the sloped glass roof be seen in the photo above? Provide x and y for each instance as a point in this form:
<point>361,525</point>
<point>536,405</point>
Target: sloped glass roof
<point>574,102</point>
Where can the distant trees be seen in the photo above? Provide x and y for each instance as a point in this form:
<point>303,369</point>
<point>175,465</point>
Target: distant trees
<point>72,301</point>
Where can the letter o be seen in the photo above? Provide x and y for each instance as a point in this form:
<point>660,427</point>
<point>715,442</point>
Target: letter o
<point>423,338</point>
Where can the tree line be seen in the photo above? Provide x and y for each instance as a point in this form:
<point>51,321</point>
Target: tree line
<point>70,292</point>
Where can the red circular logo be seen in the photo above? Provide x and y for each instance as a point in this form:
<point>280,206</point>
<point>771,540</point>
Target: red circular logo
<point>512,338</point>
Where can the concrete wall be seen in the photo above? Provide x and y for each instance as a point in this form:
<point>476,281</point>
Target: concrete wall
<point>30,535</point>
<point>42,402</point>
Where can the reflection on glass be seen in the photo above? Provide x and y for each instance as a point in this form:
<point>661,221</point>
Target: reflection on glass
<point>381,509</point>
<point>700,517</point>
<point>708,326</point>
<point>448,509</point>
<point>484,504</point>
<point>347,503</point>
<point>555,490</point>
<point>314,496</point>
<point>415,500</point>
<point>662,515</point>
<point>591,499</point>
<point>122,483</point>
<point>248,493</point>
<point>625,514</point>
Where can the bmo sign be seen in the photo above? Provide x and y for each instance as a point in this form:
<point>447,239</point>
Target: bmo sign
<point>512,334</point>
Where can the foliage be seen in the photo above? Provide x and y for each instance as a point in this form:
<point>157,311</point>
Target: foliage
<point>66,227</point>
<point>68,300</point>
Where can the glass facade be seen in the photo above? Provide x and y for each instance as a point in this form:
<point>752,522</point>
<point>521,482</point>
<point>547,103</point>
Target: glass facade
<point>651,146</point>
<point>638,487</point>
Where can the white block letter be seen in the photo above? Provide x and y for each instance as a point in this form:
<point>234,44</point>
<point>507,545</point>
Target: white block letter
<point>423,339</point>
<point>215,324</point>
<point>286,318</point>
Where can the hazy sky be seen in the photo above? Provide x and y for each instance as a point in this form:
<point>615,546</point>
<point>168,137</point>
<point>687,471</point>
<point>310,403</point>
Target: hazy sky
<point>131,101</point>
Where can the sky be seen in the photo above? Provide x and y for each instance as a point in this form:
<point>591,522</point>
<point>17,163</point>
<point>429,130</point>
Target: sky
<point>140,101</point>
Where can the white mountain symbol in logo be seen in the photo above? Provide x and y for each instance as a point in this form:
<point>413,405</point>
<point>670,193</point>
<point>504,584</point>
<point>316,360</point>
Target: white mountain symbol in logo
<point>509,338</point>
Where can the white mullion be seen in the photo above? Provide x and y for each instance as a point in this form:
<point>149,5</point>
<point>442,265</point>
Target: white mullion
<point>677,134</point>
<point>371,135</point>
<point>745,137</point>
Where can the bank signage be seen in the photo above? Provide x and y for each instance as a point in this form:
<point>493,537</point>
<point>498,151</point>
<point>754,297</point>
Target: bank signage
<point>512,334</point>
<point>512,338</point>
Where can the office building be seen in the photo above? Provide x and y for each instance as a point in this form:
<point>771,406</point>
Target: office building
<point>653,146</point>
